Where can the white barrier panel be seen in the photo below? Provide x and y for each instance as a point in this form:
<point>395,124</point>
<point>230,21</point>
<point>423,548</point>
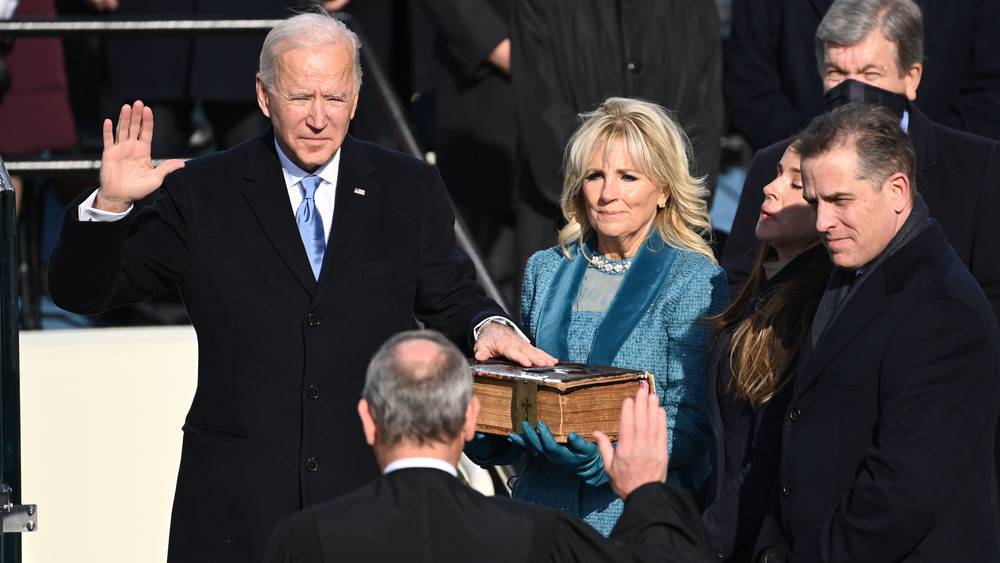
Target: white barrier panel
<point>101,417</point>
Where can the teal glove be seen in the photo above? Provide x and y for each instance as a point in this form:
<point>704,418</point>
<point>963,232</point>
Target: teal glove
<point>578,456</point>
<point>487,449</point>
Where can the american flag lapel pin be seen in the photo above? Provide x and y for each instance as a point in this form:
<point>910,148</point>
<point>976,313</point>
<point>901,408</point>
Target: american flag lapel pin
<point>359,191</point>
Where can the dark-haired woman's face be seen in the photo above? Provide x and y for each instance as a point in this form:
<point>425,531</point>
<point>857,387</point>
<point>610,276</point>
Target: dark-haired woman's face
<point>785,221</point>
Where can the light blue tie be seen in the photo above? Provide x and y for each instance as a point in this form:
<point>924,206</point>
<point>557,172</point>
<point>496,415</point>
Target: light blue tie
<point>310,223</point>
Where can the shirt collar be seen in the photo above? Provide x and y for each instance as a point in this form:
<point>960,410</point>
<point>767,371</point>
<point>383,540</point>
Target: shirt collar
<point>293,174</point>
<point>428,462</point>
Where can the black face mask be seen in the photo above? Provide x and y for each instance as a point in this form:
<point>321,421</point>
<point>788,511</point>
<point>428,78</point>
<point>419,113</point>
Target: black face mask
<point>852,90</point>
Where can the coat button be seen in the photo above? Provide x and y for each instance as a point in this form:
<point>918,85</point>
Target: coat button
<point>795,415</point>
<point>721,554</point>
<point>312,465</point>
<point>634,66</point>
<point>313,319</point>
<point>313,392</point>
<point>786,489</point>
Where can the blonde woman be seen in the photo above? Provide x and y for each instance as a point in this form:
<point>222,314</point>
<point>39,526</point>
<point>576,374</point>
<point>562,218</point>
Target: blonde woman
<point>626,286</point>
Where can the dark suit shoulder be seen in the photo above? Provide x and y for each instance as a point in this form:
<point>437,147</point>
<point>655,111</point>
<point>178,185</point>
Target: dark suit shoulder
<point>929,266</point>
<point>394,171</point>
<point>972,162</point>
<point>971,140</point>
<point>387,521</point>
<point>254,160</point>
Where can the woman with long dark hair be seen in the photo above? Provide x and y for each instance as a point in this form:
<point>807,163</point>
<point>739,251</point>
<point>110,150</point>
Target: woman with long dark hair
<point>755,348</point>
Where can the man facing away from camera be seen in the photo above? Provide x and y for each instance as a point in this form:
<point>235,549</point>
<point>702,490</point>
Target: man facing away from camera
<point>417,411</point>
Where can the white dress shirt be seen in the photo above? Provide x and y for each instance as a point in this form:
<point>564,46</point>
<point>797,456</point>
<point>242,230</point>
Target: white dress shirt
<point>326,192</point>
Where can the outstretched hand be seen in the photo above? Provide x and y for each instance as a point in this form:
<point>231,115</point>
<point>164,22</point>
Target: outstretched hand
<point>641,453</point>
<point>127,171</point>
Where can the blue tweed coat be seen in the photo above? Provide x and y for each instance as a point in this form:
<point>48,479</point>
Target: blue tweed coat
<point>668,342</point>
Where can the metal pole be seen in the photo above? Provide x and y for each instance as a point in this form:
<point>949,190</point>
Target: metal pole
<point>10,391</point>
<point>63,26</point>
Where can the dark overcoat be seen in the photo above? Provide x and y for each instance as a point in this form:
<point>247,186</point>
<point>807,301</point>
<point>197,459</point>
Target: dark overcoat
<point>887,441</point>
<point>281,357</point>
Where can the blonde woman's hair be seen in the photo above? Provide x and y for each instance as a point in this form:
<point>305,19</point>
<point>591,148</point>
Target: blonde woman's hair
<point>660,150</point>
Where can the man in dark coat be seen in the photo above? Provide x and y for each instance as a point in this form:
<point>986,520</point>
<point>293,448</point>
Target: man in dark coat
<point>887,442</point>
<point>419,511</point>
<point>868,55</point>
<point>772,91</point>
<point>285,329</point>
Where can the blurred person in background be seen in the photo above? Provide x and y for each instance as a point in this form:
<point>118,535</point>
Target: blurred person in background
<point>474,128</point>
<point>173,72</point>
<point>35,115</point>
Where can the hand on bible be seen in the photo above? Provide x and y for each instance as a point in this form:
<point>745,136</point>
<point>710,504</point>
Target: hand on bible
<point>498,340</point>
<point>640,456</point>
<point>579,456</point>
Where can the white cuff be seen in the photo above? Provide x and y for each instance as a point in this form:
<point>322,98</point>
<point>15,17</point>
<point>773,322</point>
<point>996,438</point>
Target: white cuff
<point>86,211</point>
<point>497,319</point>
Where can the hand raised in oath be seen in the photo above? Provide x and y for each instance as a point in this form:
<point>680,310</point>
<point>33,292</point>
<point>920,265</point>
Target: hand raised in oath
<point>127,171</point>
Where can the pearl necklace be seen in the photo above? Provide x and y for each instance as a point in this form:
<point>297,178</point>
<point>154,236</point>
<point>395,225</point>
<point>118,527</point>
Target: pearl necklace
<point>614,267</point>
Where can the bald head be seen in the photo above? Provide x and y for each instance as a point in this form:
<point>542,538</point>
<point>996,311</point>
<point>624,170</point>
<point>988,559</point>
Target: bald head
<point>420,356</point>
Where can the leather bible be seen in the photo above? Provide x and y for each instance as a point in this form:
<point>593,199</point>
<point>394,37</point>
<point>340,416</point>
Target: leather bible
<point>568,397</point>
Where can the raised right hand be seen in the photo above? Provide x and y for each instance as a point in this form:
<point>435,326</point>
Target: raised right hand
<point>640,456</point>
<point>127,171</point>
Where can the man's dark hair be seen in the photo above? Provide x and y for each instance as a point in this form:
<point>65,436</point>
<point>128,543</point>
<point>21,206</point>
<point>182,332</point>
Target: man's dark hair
<point>878,140</point>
